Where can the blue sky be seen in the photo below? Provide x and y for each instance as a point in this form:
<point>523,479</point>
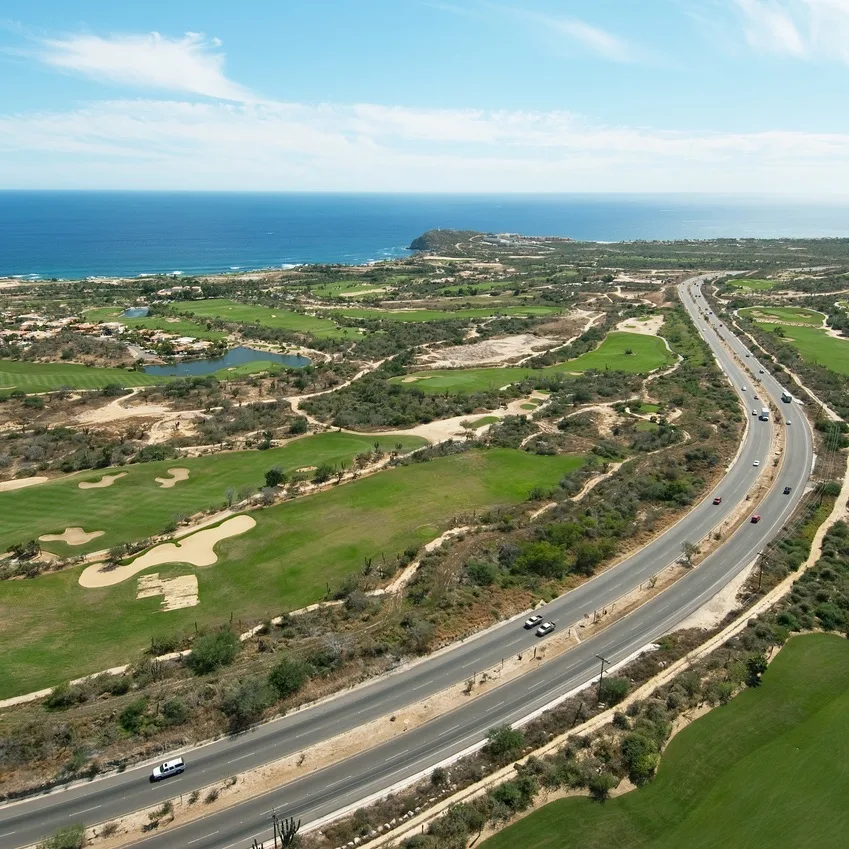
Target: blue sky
<point>426,95</point>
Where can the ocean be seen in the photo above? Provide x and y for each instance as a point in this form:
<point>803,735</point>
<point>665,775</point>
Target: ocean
<point>82,234</point>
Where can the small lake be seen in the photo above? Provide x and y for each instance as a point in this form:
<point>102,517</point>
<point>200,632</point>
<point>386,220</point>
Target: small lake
<point>136,312</point>
<point>235,357</point>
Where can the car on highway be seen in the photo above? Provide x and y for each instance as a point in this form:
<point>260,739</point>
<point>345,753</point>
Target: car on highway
<point>787,490</point>
<point>789,422</point>
<point>167,769</point>
<point>761,371</point>
<point>754,412</point>
<point>718,499</point>
<point>534,620</point>
<point>756,463</point>
<point>757,398</point>
<point>743,388</point>
<point>748,355</point>
<point>545,628</point>
<point>755,519</point>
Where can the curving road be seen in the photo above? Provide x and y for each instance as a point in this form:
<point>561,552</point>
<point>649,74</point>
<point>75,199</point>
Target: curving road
<point>328,790</point>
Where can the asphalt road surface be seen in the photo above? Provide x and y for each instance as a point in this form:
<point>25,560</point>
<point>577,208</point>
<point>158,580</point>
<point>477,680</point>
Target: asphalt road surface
<point>328,790</point>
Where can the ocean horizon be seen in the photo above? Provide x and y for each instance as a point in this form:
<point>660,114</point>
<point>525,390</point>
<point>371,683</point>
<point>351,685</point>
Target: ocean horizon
<point>79,234</point>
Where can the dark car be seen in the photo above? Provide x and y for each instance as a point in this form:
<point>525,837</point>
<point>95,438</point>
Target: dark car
<point>787,490</point>
<point>718,499</point>
<point>755,519</point>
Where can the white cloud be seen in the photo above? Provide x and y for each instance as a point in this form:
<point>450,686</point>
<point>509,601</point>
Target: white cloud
<point>366,147</point>
<point>811,29</point>
<point>592,38</point>
<point>192,64</point>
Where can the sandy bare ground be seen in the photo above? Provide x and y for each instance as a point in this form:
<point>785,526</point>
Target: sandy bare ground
<point>176,593</point>
<point>490,351</point>
<point>21,483</point>
<point>197,549</point>
<point>378,291</point>
<point>106,480</point>
<point>72,536</point>
<point>122,408</point>
<point>649,327</point>
<point>177,475</point>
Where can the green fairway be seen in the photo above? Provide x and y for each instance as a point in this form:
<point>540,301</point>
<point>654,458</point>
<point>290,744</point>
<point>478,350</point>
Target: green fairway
<point>274,317</point>
<point>135,506</point>
<point>796,315</point>
<point>53,629</point>
<point>485,420</point>
<point>447,315</point>
<point>178,326</point>
<point>753,284</point>
<point>47,377</point>
<point>767,771</point>
<point>816,346</point>
<point>646,354</point>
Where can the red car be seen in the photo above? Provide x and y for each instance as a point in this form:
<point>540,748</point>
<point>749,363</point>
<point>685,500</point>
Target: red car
<point>755,519</point>
<point>718,499</point>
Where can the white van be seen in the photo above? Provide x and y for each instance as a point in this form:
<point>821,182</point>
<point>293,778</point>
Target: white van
<point>167,769</point>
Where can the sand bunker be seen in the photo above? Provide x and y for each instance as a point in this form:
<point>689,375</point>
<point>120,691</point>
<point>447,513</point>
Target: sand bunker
<point>20,483</point>
<point>106,480</point>
<point>72,536</point>
<point>647,326</point>
<point>176,592</point>
<point>489,351</point>
<point>177,475</point>
<point>196,549</point>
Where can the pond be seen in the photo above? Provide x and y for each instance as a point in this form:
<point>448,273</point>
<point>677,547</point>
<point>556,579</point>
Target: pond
<point>235,357</point>
<point>136,312</point>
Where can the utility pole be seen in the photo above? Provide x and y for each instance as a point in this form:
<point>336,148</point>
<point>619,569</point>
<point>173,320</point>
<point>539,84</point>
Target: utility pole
<point>604,661</point>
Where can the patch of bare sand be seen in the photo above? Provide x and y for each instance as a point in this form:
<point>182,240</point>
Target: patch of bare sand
<point>176,593</point>
<point>376,291</point>
<point>106,480</point>
<point>177,475</point>
<point>21,483</point>
<point>197,549</point>
<point>72,536</point>
<point>648,327</point>
<point>489,351</point>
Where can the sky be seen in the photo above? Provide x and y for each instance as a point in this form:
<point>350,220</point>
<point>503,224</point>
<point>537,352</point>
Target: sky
<point>718,96</point>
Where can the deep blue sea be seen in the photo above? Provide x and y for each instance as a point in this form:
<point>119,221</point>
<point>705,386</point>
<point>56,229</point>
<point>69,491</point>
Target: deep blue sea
<point>81,234</point>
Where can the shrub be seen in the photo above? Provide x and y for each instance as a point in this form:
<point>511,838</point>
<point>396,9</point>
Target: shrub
<point>246,702</point>
<point>212,651</point>
<point>613,690</point>
<point>70,837</point>
<point>175,712</point>
<point>504,742</point>
<point>600,785</point>
<point>131,718</point>
<point>482,573</point>
<point>288,676</point>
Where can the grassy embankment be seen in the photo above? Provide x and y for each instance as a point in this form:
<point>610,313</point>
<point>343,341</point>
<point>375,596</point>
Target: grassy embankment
<point>768,770</point>
<point>646,354</point>
<point>53,629</point>
<point>136,506</point>
<point>815,346</point>
<point>169,324</point>
<point>278,318</point>
<point>753,284</point>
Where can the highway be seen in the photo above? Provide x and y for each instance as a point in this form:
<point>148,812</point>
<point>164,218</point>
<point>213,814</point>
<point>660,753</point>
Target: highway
<point>328,790</point>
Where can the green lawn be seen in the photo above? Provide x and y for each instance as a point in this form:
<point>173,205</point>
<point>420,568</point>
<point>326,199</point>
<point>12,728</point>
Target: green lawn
<point>135,506</point>
<point>46,377</point>
<point>767,771</point>
<point>753,284</point>
<point>53,629</point>
<point>646,426</point>
<point>797,315</point>
<point>648,408</point>
<point>816,346</point>
<point>275,317</point>
<point>179,326</point>
<point>447,315</point>
<point>647,353</point>
<point>485,420</point>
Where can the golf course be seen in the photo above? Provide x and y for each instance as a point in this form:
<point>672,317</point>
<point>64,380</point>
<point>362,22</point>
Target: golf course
<point>414,315</point>
<point>47,377</point>
<point>54,629</point>
<point>620,351</point>
<point>765,771</point>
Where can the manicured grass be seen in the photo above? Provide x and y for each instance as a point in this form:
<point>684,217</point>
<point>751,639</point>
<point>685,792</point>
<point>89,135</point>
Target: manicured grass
<point>646,426</point>
<point>135,506</point>
<point>816,346</point>
<point>46,377</point>
<point>647,353</point>
<point>648,408</point>
<point>485,420</point>
<point>754,284</point>
<point>768,770</point>
<point>53,629</point>
<point>447,315</point>
<point>797,315</point>
<point>275,317</point>
<point>178,326</point>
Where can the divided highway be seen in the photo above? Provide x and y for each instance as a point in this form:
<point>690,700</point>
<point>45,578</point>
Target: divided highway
<point>328,790</point>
